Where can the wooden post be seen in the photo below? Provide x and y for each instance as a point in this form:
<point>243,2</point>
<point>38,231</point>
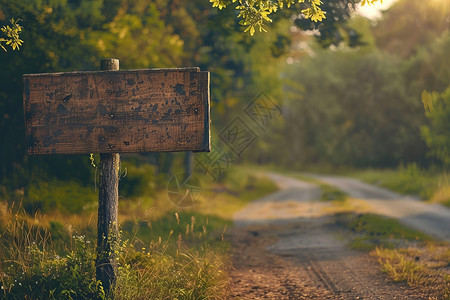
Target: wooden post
<point>188,163</point>
<point>108,200</point>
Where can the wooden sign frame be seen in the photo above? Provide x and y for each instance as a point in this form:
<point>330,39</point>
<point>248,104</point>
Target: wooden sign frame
<point>153,110</point>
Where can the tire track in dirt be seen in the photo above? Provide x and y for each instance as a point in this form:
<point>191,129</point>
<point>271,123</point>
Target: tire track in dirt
<point>345,273</point>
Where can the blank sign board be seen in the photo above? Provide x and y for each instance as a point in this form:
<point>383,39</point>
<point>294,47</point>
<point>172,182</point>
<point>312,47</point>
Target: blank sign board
<point>155,110</point>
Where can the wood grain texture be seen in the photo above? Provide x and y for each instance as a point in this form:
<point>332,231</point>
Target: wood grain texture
<point>107,230</point>
<point>156,110</point>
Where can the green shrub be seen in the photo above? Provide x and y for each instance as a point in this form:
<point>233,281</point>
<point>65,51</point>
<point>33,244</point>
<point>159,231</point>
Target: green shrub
<point>136,180</point>
<point>68,197</point>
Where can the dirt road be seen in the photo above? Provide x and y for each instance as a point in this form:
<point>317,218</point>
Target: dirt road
<point>286,246</point>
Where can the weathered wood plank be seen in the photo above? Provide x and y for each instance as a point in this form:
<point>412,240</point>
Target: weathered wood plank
<point>153,110</point>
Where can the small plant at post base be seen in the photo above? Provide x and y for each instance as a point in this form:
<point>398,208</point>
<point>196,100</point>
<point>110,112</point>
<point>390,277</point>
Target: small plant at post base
<point>108,252</point>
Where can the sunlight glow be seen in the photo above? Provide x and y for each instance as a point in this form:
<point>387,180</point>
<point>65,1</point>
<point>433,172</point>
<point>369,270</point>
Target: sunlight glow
<point>374,11</point>
<point>443,4</point>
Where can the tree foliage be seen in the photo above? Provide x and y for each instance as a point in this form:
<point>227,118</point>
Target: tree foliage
<point>334,29</point>
<point>361,107</point>
<point>436,134</point>
<point>410,24</point>
<point>69,35</point>
<point>346,105</point>
<point>356,111</point>
<point>254,14</point>
<point>11,35</point>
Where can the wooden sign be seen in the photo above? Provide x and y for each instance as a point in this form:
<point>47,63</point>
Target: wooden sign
<point>154,110</point>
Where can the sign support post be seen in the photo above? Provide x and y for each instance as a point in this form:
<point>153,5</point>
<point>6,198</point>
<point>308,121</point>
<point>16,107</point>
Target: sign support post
<point>108,201</point>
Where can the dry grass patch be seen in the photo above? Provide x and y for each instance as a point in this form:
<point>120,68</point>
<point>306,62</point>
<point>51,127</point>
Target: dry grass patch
<point>426,268</point>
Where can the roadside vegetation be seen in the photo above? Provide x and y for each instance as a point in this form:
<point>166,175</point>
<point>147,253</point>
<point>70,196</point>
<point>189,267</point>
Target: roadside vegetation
<point>164,252</point>
<point>182,263</point>
<point>405,255</point>
<point>429,185</point>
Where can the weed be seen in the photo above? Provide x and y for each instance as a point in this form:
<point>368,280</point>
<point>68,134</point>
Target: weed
<point>373,230</point>
<point>39,273</point>
<point>416,268</point>
<point>404,254</point>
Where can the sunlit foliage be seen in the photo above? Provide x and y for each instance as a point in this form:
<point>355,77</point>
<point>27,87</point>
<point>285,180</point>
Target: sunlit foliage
<point>11,35</point>
<point>255,13</point>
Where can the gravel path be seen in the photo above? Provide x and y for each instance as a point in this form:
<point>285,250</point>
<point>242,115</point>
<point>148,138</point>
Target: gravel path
<point>287,246</point>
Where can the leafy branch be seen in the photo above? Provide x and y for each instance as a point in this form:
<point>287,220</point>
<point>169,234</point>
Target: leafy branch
<point>370,2</point>
<point>11,35</point>
<point>255,13</point>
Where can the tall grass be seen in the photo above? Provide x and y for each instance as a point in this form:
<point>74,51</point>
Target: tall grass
<point>153,273</point>
<point>31,268</point>
<point>161,255</point>
<point>179,264</point>
<point>425,274</point>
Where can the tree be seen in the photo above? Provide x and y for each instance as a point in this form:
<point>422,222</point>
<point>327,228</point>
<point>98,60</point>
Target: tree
<point>49,47</point>
<point>255,13</point>
<point>356,111</point>
<point>436,134</point>
<point>411,23</point>
<point>67,35</point>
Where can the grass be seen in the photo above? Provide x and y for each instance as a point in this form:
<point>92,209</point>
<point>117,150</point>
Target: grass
<point>239,188</point>
<point>328,192</point>
<point>418,268</point>
<point>404,254</point>
<point>165,252</point>
<point>371,231</point>
<point>182,264</point>
<point>429,185</point>
<point>68,197</point>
